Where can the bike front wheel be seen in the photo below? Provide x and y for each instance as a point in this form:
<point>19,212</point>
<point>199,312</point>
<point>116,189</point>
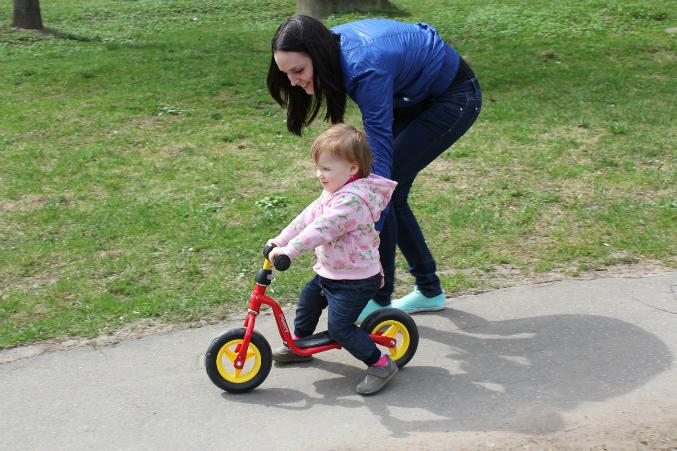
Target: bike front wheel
<point>221,355</point>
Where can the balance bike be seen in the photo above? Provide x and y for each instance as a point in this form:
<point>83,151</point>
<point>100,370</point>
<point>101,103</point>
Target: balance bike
<point>239,360</point>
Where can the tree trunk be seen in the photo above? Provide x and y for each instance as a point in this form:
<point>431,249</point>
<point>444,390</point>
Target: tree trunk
<point>321,9</point>
<point>27,14</point>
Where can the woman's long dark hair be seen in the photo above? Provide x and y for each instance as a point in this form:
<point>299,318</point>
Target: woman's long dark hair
<point>307,35</point>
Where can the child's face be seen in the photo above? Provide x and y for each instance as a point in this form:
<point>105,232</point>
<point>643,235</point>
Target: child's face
<point>333,172</point>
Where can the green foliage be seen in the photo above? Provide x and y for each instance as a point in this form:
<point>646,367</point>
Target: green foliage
<point>143,164</point>
<point>273,207</point>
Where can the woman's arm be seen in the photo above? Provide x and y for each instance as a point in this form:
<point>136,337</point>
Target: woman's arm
<point>373,93</point>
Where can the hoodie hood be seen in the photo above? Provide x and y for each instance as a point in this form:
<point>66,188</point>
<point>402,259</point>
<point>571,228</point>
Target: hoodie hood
<point>374,190</point>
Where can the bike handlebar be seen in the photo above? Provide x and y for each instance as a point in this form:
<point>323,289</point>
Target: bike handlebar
<point>282,262</point>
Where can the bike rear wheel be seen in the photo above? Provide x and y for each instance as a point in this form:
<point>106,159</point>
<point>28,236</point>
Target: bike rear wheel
<point>396,324</point>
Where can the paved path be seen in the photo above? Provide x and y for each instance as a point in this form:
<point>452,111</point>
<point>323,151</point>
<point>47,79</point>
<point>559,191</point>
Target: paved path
<point>576,363</point>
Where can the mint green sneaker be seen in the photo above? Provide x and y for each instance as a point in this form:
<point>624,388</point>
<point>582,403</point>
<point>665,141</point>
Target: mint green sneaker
<point>371,306</point>
<point>416,302</point>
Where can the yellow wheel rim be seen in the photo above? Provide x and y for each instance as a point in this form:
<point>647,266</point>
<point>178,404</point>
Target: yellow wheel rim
<point>225,362</point>
<point>397,330</point>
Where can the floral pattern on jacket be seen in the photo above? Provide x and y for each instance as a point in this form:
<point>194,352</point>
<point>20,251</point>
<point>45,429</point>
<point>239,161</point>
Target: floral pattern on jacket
<point>340,227</point>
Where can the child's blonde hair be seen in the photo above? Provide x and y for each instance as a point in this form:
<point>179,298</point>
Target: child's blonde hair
<point>345,142</point>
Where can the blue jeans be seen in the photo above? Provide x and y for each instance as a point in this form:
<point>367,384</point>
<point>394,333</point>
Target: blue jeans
<point>421,133</point>
<point>346,299</point>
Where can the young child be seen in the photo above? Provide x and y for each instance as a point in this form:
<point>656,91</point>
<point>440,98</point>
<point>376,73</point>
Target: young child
<point>339,225</point>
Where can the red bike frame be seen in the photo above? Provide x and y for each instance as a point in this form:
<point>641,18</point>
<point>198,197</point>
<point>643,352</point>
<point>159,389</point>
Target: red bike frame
<point>259,297</point>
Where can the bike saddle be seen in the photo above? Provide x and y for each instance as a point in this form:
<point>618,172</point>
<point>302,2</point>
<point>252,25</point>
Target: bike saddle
<point>318,339</point>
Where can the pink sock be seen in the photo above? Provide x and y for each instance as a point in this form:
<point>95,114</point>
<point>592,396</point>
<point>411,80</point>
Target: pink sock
<point>382,361</point>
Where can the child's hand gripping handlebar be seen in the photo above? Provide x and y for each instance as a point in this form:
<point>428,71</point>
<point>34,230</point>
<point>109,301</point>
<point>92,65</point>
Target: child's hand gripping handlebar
<point>281,262</point>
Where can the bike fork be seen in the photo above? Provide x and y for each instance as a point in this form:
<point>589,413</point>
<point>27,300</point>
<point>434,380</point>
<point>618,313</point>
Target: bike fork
<point>250,320</point>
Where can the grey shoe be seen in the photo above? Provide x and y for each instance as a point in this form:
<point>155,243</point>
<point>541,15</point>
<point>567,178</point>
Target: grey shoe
<point>285,355</point>
<point>377,377</point>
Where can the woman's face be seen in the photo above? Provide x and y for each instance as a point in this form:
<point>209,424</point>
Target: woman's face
<point>299,68</point>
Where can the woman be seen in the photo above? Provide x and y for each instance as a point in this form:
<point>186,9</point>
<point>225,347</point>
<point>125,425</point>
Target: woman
<point>417,97</point>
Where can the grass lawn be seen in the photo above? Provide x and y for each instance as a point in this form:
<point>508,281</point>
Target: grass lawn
<point>143,164</point>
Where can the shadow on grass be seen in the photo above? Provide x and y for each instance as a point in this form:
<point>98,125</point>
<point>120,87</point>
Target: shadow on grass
<point>67,36</point>
<point>45,32</point>
<point>19,36</point>
<point>391,12</point>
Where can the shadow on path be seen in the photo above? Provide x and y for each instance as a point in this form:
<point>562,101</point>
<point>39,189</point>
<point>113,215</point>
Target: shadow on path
<point>516,375</point>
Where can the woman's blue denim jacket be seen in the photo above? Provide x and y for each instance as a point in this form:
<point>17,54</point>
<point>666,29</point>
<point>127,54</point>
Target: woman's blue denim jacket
<point>388,64</point>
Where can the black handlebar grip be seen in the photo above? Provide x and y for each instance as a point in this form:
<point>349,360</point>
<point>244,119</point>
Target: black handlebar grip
<point>266,249</point>
<point>282,262</point>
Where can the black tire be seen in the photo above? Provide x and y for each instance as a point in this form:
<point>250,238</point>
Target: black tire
<point>405,330</point>
<point>256,367</point>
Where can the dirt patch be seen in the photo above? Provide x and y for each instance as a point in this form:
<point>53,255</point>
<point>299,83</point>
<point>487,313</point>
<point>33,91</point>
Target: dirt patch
<point>23,205</point>
<point>501,278</point>
<point>505,276</point>
<point>613,433</point>
<point>132,331</point>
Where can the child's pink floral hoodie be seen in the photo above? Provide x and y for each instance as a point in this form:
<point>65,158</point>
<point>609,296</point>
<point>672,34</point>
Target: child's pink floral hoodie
<point>340,227</point>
